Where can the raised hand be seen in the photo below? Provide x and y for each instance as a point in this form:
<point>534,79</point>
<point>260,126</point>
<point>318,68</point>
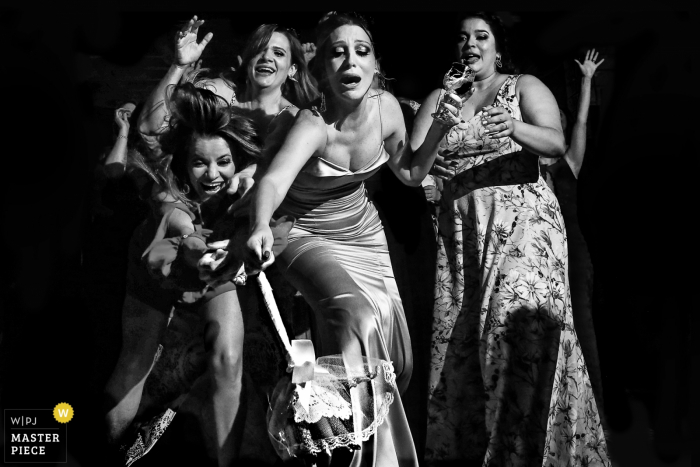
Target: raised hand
<point>191,72</point>
<point>121,117</point>
<point>589,65</point>
<point>309,50</point>
<point>187,49</point>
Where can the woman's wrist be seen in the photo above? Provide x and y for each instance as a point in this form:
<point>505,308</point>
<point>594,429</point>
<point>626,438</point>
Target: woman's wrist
<point>179,68</point>
<point>259,225</point>
<point>440,127</point>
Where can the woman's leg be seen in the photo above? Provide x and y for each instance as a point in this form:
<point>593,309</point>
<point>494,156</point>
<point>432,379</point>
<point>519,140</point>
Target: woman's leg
<point>223,339</point>
<point>142,328</point>
<point>355,323</point>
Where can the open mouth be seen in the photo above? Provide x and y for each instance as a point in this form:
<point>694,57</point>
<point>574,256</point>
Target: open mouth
<point>470,58</point>
<point>264,70</point>
<point>350,80</point>
<point>212,188</point>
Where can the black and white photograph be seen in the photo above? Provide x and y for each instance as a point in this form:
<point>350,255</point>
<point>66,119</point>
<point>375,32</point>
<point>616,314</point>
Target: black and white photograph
<point>382,238</point>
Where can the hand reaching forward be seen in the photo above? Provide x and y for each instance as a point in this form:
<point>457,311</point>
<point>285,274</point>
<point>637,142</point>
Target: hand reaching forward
<point>187,49</point>
<point>589,65</point>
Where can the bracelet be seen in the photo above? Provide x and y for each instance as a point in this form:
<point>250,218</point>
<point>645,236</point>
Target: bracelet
<point>122,136</point>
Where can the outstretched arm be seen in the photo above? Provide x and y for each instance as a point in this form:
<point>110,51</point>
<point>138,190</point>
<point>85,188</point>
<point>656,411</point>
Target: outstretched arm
<point>577,149</point>
<point>154,117</point>
<point>306,137</point>
<point>411,160</point>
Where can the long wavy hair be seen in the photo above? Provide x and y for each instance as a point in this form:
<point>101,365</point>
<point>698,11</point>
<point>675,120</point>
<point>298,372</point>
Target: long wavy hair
<point>302,90</point>
<point>499,34</point>
<point>199,113</point>
<point>326,25</point>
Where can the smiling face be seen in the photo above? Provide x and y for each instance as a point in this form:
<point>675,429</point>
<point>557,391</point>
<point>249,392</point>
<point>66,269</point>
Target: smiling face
<point>270,66</point>
<point>477,45</point>
<point>350,62</point>
<point>209,166</point>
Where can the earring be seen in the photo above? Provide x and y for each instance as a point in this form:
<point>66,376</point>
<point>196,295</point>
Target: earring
<point>499,64</point>
<point>291,77</point>
<point>323,103</point>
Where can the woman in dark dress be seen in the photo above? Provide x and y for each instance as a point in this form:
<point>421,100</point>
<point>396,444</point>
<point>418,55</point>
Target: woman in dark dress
<point>209,143</point>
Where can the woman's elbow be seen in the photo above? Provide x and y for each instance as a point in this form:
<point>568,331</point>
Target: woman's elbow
<point>114,170</point>
<point>412,182</point>
<point>558,147</point>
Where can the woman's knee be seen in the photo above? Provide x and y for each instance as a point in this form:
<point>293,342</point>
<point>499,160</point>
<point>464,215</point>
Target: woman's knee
<point>353,312</point>
<point>226,362</point>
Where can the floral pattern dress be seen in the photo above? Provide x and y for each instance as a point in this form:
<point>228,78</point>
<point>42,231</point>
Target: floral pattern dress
<point>508,385</point>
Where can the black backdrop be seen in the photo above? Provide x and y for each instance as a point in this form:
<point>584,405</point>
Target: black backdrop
<point>636,209</point>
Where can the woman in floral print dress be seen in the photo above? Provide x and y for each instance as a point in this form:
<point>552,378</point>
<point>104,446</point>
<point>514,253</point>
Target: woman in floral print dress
<point>509,386</point>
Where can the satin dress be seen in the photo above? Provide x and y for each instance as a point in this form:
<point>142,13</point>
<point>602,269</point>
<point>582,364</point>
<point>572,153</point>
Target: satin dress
<point>338,259</point>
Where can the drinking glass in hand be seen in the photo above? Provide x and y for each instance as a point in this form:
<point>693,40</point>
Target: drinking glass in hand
<point>458,75</point>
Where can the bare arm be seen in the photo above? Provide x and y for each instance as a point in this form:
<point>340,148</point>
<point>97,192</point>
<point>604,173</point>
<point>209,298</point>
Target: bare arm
<point>307,137</point>
<point>540,131</point>
<point>115,162</point>
<point>154,117</point>
<point>411,160</point>
<point>577,149</point>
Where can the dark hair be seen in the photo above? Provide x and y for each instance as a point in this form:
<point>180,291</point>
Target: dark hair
<point>199,113</point>
<point>300,92</point>
<point>326,25</point>
<point>499,34</point>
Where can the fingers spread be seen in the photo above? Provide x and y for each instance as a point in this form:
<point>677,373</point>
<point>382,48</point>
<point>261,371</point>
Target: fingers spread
<point>206,39</point>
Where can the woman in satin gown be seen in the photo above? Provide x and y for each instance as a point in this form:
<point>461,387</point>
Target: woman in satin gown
<point>337,255</point>
<point>509,385</point>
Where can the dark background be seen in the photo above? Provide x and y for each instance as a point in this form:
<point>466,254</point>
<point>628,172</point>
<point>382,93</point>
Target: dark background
<point>63,73</point>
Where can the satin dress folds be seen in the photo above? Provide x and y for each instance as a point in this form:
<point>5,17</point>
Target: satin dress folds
<point>338,259</point>
<point>509,385</point>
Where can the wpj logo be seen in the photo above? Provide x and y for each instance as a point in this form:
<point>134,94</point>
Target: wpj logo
<point>37,435</point>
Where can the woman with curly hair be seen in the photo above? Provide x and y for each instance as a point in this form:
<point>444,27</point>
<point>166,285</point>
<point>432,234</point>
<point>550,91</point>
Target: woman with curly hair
<point>509,385</point>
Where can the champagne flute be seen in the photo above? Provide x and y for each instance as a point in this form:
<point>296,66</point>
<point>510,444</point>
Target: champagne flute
<point>457,76</point>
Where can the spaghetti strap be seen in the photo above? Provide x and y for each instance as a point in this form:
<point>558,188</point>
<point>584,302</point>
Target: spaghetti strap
<point>269,125</point>
<point>280,112</point>
<point>381,128</point>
